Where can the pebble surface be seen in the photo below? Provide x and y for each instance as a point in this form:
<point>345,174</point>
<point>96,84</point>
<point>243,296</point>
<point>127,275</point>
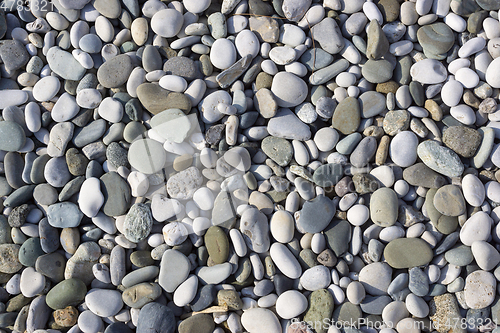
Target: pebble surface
<point>249,166</point>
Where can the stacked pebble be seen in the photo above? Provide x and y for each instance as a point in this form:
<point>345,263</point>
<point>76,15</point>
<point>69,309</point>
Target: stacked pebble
<point>247,165</point>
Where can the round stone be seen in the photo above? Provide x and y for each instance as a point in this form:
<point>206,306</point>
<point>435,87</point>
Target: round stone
<point>449,201</point>
<point>291,304</point>
<point>167,22</point>
<point>147,156</point>
<point>289,90</point>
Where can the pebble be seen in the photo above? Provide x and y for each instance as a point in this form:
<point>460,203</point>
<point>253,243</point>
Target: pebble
<point>478,291</point>
<point>103,302</point>
<point>407,252</point>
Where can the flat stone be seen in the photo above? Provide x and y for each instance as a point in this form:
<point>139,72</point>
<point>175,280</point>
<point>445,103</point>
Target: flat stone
<point>13,54</point>
<point>64,64</point>
<point>174,269</point>
<point>12,137</point>
<point>327,34</point>
<point>346,117</point>
<point>64,215</point>
<point>199,323</point>
<point>377,71</point>
<point>116,193</point>
<point>66,293</point>
<point>115,72</point>
<point>217,244</point>
<point>287,125</point>
<point>155,317</point>
<point>336,233</point>
<point>316,214</point>
<point>254,228</point>
<point>450,201</point>
<point>407,253</point>
<point>463,140</point>
<point>440,159</point>
<point>436,39</point>
<point>277,149</point>
<point>479,289</point>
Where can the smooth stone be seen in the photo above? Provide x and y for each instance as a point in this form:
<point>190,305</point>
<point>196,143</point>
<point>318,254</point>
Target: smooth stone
<point>9,97</point>
<point>172,124</point>
<point>12,137</point>
<point>46,88</point>
<point>155,317</point>
<point>277,149</point>
<point>436,39</point>
<point>291,304</point>
<point>147,156</point>
<point>204,298</point>
<point>336,233</point>
<point>208,106</point>
<point>68,292</point>
<point>285,261</point>
<point>174,270</point>
<point>377,43</point>
<point>407,253</point>
<point>440,159</point>
<point>403,149</point>
<point>316,214</point>
<point>115,72</point>
<point>371,104</point>
<point>363,152</point>
<point>167,22</point>
<point>375,304</point>
<point>327,33</point>
<point>90,133</point>
<point>418,282</point>
<point>289,90</point>
<point>64,64</point>
<point>316,58</point>
<point>384,207</point>
<point>491,78</point>
<point>346,118</point>
<point>104,302</point>
<point>64,215</point>
<point>214,274</point>
<point>255,230</point>
<point>428,71</point>
<point>260,320</point>
<point>199,323</point>
<point>116,193</point>
<point>377,71</point>
<point>141,294</point>
<point>315,278</point>
<point>449,201</point>
<point>473,190</point>
<point>223,53</point>
<point>287,125</point>
<point>479,289</point>
<point>217,244</point>
<point>13,54</point>
<point>60,136</point>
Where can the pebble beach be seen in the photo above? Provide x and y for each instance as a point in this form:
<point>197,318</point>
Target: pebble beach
<point>257,166</point>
